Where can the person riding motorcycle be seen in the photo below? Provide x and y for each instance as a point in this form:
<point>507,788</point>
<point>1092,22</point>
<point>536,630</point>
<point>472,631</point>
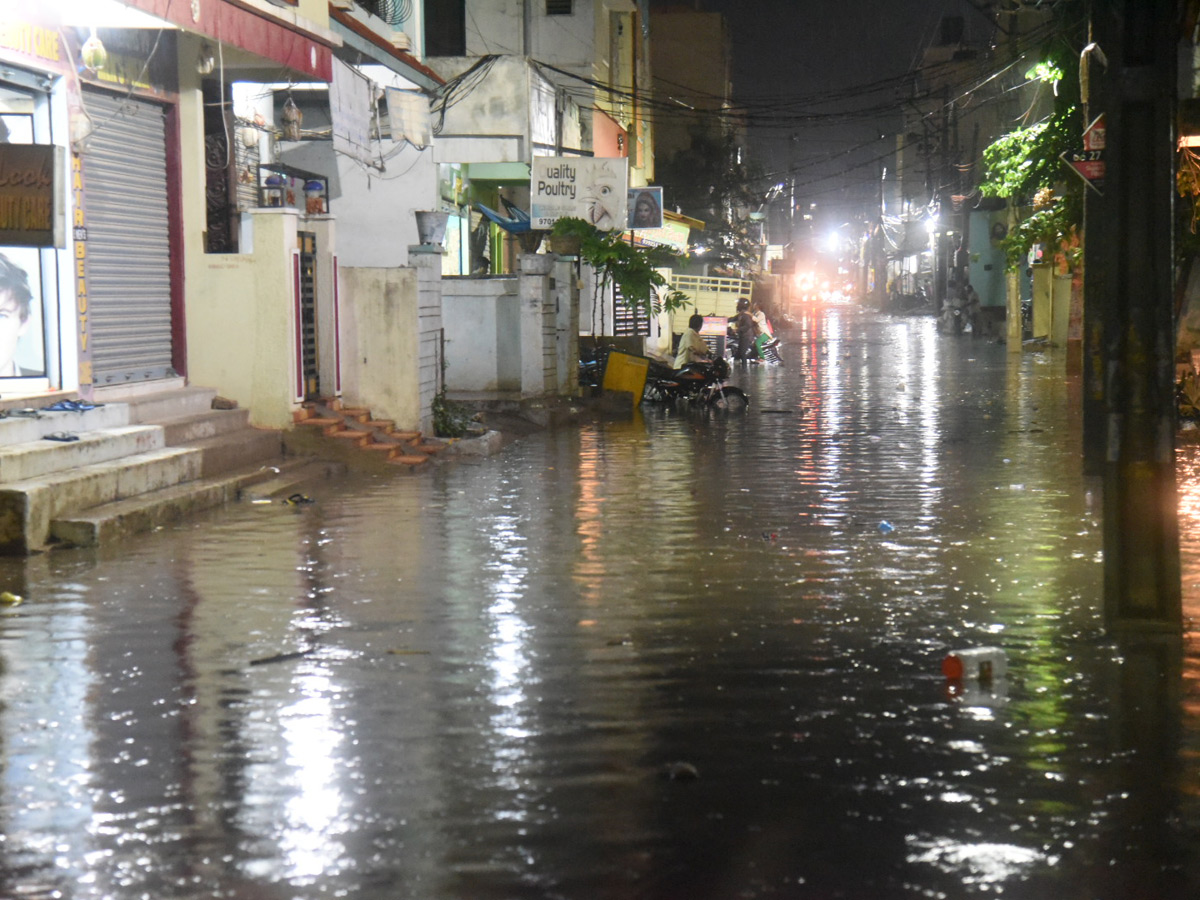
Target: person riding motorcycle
<point>691,346</point>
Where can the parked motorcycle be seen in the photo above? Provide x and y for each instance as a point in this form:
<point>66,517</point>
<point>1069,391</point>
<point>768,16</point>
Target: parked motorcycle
<point>952,320</point>
<point>701,383</point>
<point>960,311</point>
<point>591,366</point>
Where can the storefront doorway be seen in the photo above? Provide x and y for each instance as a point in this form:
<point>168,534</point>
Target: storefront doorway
<point>129,262</point>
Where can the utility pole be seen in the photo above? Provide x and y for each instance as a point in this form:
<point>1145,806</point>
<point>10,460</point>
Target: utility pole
<point>1092,65</point>
<point>1133,225</point>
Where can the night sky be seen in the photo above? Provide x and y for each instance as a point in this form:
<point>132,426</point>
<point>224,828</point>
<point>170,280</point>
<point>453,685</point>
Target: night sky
<point>794,59</point>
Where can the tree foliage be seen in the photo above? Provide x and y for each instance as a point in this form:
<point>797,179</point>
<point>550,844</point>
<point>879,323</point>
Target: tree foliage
<point>1024,165</point>
<point>710,181</point>
<point>634,271</point>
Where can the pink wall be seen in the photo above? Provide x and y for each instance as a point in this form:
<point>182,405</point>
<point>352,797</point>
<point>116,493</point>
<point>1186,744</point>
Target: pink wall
<point>608,138</point>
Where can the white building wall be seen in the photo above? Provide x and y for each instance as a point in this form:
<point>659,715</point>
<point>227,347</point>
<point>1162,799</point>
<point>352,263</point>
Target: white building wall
<point>494,114</point>
<point>379,342</point>
<point>567,41</point>
<point>481,317</point>
<point>496,26</point>
<point>375,210</point>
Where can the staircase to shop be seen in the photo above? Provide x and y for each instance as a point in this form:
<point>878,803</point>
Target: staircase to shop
<point>89,475</point>
<point>354,436</point>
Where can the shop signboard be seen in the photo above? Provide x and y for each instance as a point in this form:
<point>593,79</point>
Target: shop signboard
<point>30,211</point>
<point>588,188</point>
<point>673,235</point>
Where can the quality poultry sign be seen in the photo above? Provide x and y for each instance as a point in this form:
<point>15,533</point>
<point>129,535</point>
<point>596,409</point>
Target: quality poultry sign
<point>588,188</point>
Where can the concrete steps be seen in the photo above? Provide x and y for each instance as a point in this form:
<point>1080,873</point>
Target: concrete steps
<point>39,456</point>
<point>27,508</point>
<point>111,521</point>
<point>356,437</point>
<point>236,450</point>
<point>119,519</point>
<point>225,437</point>
<point>125,465</point>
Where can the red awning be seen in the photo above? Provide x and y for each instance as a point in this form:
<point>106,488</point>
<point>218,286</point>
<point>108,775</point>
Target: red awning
<point>223,21</point>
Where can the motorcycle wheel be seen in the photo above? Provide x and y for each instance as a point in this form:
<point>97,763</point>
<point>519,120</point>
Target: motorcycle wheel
<point>658,393</point>
<point>729,399</point>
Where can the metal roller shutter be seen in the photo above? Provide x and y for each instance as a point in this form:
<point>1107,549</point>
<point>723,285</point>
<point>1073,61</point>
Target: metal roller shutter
<point>128,255</point>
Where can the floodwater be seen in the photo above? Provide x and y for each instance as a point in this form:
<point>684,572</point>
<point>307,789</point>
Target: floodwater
<point>685,657</point>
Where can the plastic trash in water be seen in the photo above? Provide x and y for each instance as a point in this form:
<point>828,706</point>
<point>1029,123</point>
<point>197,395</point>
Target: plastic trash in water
<point>886,527</point>
<point>982,664</point>
<point>10,599</point>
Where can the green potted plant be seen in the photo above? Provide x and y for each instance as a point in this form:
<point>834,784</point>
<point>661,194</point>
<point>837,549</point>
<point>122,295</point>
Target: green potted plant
<point>633,271</point>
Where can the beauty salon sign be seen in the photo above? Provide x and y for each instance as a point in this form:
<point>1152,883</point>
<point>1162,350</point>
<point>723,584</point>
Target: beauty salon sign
<point>29,213</point>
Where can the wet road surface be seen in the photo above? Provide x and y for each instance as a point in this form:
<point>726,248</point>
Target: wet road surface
<point>688,656</point>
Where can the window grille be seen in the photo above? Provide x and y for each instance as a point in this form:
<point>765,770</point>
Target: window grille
<point>629,319</point>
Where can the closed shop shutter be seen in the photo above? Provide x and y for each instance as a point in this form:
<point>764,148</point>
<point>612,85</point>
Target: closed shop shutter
<point>128,253</point>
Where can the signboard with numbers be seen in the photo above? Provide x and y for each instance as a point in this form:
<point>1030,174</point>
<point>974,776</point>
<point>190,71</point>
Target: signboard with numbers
<point>1088,162</point>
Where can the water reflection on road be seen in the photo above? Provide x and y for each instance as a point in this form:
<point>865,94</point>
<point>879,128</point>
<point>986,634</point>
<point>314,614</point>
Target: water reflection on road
<point>678,657</point>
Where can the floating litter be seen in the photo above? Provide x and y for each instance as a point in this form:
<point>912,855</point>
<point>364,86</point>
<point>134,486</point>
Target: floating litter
<point>983,664</point>
<point>886,527</point>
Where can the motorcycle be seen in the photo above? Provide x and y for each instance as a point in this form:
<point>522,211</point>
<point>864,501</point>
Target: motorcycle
<point>952,319</point>
<point>960,312</point>
<point>702,383</point>
<point>766,346</point>
<point>591,366</point>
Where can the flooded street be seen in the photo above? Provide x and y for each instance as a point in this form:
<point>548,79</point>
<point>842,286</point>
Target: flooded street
<point>685,657</point>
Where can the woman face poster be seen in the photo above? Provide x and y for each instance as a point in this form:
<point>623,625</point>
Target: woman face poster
<point>645,208</point>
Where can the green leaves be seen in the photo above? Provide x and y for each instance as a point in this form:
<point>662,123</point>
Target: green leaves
<point>1025,165</point>
<point>633,270</point>
<point>1046,72</point>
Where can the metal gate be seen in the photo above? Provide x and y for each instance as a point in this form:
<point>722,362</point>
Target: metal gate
<point>128,254</point>
<point>307,242</point>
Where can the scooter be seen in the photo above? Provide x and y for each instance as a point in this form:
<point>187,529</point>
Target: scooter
<point>952,318</point>
<point>766,345</point>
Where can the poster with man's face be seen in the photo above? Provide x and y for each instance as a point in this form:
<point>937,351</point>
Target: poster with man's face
<point>22,347</point>
<point>579,187</point>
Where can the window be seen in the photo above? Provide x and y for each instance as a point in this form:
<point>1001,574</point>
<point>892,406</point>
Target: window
<point>445,28</point>
<point>558,7</point>
<point>25,296</point>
